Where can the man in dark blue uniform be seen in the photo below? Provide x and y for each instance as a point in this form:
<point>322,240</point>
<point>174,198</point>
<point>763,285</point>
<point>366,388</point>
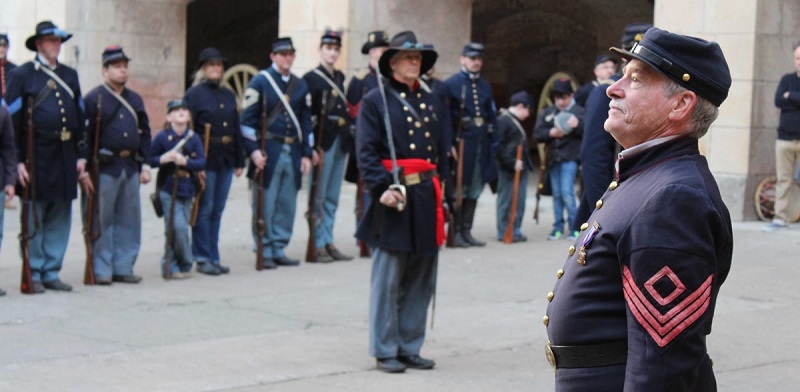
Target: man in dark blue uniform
<point>211,104</point>
<point>511,135</point>
<point>334,144</point>
<point>59,127</point>
<point>288,147</point>
<point>404,222</point>
<point>598,148</point>
<point>123,150</point>
<point>635,300</point>
<point>469,91</point>
<point>604,68</point>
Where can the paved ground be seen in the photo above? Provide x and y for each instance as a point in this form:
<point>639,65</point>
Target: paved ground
<point>305,328</point>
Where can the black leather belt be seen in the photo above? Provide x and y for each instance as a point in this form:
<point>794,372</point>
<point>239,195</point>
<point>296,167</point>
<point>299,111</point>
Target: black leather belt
<point>281,139</point>
<point>62,135</point>
<point>183,173</point>
<point>416,178</point>
<point>594,355</point>
<point>221,139</point>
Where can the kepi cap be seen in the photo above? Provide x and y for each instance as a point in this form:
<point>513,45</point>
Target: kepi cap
<point>282,44</point>
<point>113,53</point>
<point>473,49</point>
<point>521,97</point>
<point>562,86</point>
<point>375,39</point>
<point>43,29</point>
<point>176,104</point>
<point>694,63</point>
<point>331,37</point>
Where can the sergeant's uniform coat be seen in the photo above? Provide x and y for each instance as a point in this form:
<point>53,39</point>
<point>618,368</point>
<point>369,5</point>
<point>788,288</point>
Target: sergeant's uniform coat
<point>283,127</point>
<point>646,270</point>
<point>478,138</point>
<point>359,86</point>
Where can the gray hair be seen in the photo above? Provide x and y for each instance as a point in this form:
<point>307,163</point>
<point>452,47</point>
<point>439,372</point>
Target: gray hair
<point>704,111</point>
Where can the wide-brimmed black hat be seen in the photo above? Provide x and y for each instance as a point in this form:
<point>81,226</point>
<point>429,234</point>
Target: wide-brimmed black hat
<point>375,39</point>
<point>694,63</point>
<point>43,29</point>
<point>4,39</point>
<point>210,54</point>
<point>114,53</point>
<point>407,41</point>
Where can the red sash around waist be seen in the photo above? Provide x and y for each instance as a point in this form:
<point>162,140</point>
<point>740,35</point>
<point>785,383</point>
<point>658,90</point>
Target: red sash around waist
<point>411,166</point>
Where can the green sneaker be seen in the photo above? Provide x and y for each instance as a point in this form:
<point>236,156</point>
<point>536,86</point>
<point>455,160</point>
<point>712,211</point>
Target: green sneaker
<point>556,234</point>
<point>574,235</point>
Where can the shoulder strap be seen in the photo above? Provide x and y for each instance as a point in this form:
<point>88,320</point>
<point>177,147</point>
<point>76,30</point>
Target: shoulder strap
<point>39,67</point>
<point>330,83</point>
<point>516,122</point>
<point>122,101</point>
<point>284,101</point>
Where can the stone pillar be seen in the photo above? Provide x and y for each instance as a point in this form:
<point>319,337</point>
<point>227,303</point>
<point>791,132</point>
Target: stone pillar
<point>305,21</point>
<point>19,18</point>
<point>739,145</point>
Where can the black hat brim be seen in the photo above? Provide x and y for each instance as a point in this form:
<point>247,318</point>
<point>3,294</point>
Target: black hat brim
<point>224,61</point>
<point>30,43</point>
<point>428,60</point>
<point>369,45</point>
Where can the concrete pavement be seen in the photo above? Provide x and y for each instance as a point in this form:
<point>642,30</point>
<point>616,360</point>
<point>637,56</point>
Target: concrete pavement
<point>305,328</point>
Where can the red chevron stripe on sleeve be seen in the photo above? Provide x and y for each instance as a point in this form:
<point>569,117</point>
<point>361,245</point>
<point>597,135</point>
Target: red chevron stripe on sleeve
<point>663,328</point>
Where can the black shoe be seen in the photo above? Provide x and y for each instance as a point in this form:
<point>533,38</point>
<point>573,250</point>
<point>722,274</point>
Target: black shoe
<point>207,268</point>
<point>417,362</point>
<point>57,285</point>
<point>323,256</point>
<point>222,269</point>
<point>390,365</point>
<point>102,281</point>
<point>459,242</point>
<point>270,264</point>
<point>468,216</point>
<point>520,238</point>
<point>38,288</point>
<point>133,279</point>
<point>286,262</point>
<point>338,256</point>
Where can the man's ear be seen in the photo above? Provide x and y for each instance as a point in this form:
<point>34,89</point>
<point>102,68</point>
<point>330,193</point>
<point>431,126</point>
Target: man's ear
<point>683,106</point>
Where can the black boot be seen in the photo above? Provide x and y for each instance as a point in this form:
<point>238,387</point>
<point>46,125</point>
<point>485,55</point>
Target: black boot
<point>458,227</point>
<point>468,211</point>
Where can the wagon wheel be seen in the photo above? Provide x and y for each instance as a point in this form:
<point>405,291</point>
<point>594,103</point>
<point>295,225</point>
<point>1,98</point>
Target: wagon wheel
<point>544,97</point>
<point>237,78</point>
<point>765,199</point>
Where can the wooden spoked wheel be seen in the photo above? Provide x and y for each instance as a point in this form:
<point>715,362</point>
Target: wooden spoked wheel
<point>765,200</point>
<point>237,78</point>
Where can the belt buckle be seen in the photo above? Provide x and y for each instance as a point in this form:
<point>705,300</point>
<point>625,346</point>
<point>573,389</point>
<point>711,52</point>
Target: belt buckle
<point>125,154</point>
<point>548,352</point>
<point>478,121</point>
<point>65,135</point>
<point>342,121</point>
<point>226,139</point>
<point>288,140</point>
<point>412,179</point>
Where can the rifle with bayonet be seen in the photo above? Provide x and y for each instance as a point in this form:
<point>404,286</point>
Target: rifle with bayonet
<point>28,210</point>
<point>258,221</point>
<point>451,229</point>
<point>508,236</point>
<point>314,202</point>
<point>196,202</point>
<point>89,235</point>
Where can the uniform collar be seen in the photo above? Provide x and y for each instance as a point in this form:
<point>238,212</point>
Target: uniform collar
<point>284,78</point>
<point>44,62</point>
<point>643,156</point>
<point>470,75</point>
<point>402,86</point>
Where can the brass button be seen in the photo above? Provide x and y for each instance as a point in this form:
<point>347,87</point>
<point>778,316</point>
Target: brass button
<point>545,320</point>
<point>60,102</point>
<point>410,132</point>
<point>584,226</point>
<point>419,95</point>
<point>58,94</point>
<point>405,108</point>
<point>412,146</point>
<point>222,106</point>
<point>125,134</point>
<point>613,185</point>
<point>402,95</point>
<point>572,250</point>
<point>121,116</point>
<point>63,119</point>
<point>599,204</point>
<point>559,273</point>
<point>476,102</point>
<point>417,124</point>
<point>430,148</point>
<point>427,134</point>
<point>224,123</point>
<point>686,77</point>
<point>338,106</point>
<point>550,296</point>
<point>422,106</point>
<point>62,110</point>
<point>410,119</point>
<point>426,119</point>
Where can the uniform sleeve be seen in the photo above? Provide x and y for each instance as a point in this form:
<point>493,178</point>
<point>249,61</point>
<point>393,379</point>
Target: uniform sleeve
<point>670,255</point>
<point>196,160</point>
<point>145,136</point>
<point>503,154</point>
<point>250,119</point>
<point>80,111</point>
<point>17,108</point>
<point>354,93</point>
<point>90,102</point>
<point>156,150</point>
<point>305,125</point>
<point>8,155</point>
